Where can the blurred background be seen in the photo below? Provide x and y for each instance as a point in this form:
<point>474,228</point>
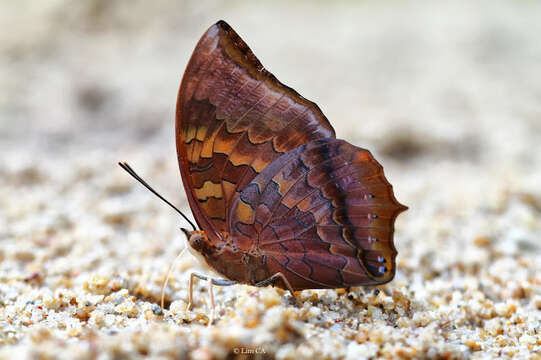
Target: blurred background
<point>458,77</point>
<point>446,94</point>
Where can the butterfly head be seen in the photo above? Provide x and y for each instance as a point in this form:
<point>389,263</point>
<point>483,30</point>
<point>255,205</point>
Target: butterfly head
<point>198,243</point>
<point>197,238</point>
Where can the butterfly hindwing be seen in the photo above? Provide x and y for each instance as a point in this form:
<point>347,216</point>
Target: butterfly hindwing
<point>323,214</point>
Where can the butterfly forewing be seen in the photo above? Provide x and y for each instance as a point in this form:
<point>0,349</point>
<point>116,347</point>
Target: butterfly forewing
<point>322,214</point>
<point>233,119</point>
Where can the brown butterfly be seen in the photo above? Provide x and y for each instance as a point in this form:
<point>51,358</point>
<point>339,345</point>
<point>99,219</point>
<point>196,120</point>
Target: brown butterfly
<point>278,199</point>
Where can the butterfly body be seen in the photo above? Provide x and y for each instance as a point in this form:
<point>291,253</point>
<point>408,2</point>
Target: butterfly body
<point>271,188</point>
<point>245,267</point>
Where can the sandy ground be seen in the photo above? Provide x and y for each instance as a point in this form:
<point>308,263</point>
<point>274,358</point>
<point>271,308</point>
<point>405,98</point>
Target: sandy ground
<point>447,95</point>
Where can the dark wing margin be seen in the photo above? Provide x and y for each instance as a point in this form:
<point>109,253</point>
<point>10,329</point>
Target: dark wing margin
<point>233,118</point>
<point>323,214</point>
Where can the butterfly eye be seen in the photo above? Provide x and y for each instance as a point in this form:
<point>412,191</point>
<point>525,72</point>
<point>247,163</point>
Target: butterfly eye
<point>196,242</point>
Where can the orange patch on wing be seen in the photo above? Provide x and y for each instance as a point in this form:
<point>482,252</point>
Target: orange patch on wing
<point>209,189</point>
<point>259,164</point>
<point>206,151</point>
<point>238,158</point>
<point>208,145</point>
<point>245,213</point>
<point>193,155</point>
<point>283,183</point>
<point>201,133</point>
<point>224,144</point>
<point>189,133</point>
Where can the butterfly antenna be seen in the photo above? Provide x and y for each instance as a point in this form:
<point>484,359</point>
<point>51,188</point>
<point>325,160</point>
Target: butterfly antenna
<point>130,171</point>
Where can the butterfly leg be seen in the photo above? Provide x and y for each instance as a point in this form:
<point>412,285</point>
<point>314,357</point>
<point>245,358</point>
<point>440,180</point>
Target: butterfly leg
<point>212,281</point>
<point>212,307</point>
<point>283,278</point>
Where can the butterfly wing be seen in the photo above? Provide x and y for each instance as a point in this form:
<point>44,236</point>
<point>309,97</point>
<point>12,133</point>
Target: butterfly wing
<point>323,215</point>
<point>233,119</point>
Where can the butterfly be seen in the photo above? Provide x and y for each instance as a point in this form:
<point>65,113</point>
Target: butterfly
<point>278,200</point>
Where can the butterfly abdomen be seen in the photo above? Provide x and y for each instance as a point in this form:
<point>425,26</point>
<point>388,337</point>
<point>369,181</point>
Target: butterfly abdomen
<point>235,264</point>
